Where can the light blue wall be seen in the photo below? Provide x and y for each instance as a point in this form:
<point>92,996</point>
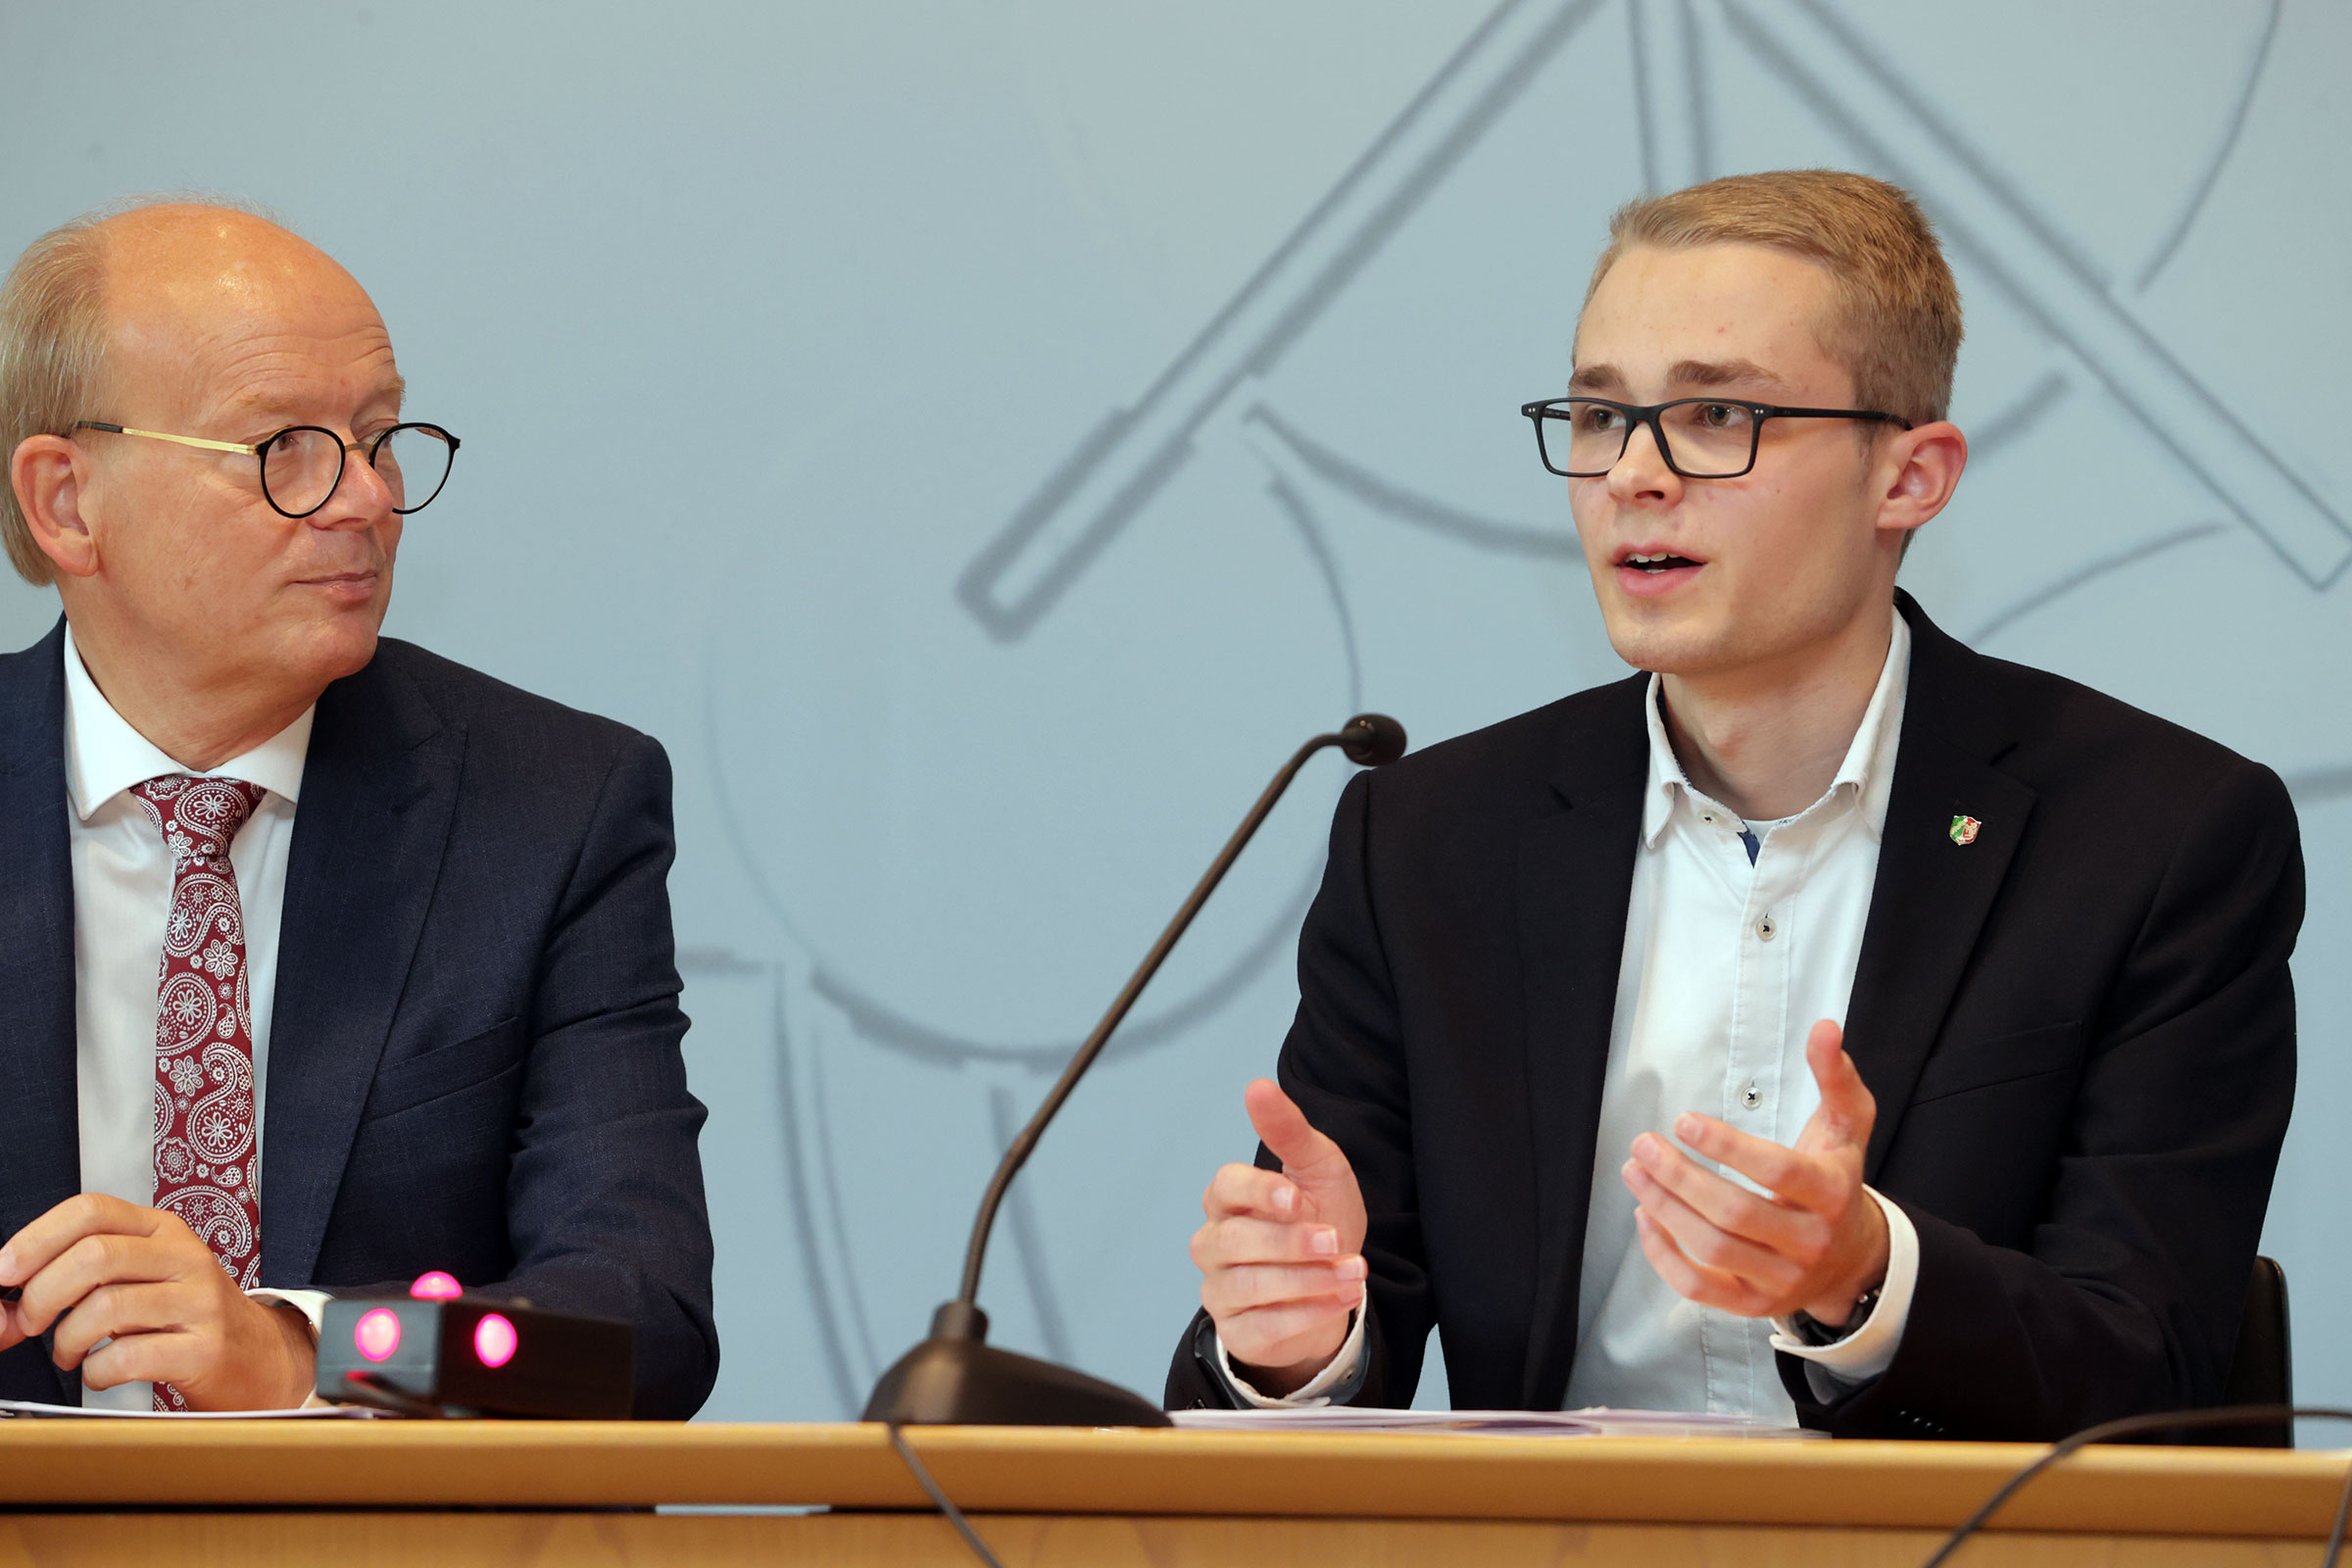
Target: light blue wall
<point>765,326</point>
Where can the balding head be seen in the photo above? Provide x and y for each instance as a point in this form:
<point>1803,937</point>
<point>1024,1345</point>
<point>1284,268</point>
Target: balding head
<point>60,303</point>
<point>181,283</point>
<point>219,330</point>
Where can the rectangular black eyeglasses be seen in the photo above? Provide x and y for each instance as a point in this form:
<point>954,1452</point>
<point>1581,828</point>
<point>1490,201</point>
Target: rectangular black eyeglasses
<point>1719,435</point>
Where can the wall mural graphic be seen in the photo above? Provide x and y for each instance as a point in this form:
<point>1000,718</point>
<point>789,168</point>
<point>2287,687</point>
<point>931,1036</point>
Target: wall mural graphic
<point>1517,74</point>
<point>980,442</point>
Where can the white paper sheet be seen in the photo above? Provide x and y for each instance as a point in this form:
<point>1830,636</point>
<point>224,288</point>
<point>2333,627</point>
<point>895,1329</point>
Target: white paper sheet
<point>1591,1423</point>
<point>33,1408</point>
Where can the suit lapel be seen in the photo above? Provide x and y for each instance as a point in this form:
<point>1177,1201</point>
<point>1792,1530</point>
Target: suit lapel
<point>41,1113</point>
<point>1575,872</point>
<point>40,1138</point>
<point>1933,894</point>
<point>377,791</point>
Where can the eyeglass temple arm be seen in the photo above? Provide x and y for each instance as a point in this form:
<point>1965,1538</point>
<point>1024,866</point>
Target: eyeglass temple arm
<point>160,435</point>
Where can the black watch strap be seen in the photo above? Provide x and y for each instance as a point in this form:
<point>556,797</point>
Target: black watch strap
<point>1814,1331</point>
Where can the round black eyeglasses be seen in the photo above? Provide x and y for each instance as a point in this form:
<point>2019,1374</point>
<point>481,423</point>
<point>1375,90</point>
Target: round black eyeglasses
<point>302,465</point>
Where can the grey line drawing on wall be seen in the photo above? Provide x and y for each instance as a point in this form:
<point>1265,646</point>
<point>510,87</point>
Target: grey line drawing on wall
<point>1216,389</point>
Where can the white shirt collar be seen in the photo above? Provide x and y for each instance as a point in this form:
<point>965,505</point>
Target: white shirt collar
<point>1867,773</point>
<point>105,755</point>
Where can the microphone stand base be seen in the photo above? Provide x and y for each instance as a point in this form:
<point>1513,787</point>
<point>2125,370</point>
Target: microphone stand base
<point>950,1381</point>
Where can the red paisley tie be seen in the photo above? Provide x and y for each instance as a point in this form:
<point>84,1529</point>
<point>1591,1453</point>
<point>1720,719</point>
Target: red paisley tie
<point>204,1088</point>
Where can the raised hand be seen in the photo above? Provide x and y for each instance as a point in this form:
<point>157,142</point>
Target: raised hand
<point>1281,1255</point>
<point>1816,1243</point>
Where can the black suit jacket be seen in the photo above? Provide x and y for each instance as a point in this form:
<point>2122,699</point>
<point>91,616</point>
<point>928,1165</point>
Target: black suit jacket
<point>474,1051</point>
<point>2080,1031</point>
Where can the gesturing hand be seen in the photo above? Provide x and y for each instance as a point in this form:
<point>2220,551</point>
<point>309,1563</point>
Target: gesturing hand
<point>100,1270</point>
<point>1816,1243</point>
<point>1281,1256</point>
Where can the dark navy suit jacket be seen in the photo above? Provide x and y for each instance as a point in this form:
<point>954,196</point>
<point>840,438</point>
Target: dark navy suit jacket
<point>474,1053</point>
<point>2078,1027</point>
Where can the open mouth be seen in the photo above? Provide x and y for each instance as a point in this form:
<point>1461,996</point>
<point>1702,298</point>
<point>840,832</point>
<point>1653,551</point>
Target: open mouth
<point>1654,564</point>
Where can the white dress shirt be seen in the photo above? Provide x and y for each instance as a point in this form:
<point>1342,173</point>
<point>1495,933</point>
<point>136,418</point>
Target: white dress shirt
<point>1728,964</point>
<point>121,893</point>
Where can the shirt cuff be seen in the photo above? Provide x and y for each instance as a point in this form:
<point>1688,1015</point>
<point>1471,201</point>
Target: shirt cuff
<point>1869,1350</point>
<point>311,1304</point>
<point>1334,1384</point>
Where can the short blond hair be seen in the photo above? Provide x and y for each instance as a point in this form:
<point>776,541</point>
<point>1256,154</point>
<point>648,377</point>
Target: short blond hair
<point>1896,327</point>
<point>53,338</point>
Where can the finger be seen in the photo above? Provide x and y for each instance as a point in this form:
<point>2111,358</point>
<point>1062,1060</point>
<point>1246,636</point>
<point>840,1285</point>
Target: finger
<point>94,1260</point>
<point>11,1333</point>
<point>1228,1242</point>
<point>111,1312</point>
<point>1247,1190</point>
<point>1809,1182</point>
<point>1847,1109</point>
<point>40,1244</point>
<point>1725,1203</point>
<point>168,1357</point>
<point>1253,1286</point>
<point>1306,1154</point>
<point>1706,1245</point>
<point>1684,1277</point>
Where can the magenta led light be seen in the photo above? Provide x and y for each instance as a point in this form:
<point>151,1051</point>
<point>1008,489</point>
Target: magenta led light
<point>376,1335</point>
<point>494,1340</point>
<point>436,1287</point>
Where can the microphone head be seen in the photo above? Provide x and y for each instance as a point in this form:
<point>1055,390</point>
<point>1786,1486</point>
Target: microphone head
<point>1372,739</point>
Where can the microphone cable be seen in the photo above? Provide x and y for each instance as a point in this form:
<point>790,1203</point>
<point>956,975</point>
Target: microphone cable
<point>2235,1415</point>
<point>947,1508</point>
<point>2240,1415</point>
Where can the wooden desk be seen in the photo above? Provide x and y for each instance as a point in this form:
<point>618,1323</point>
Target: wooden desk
<point>391,1493</point>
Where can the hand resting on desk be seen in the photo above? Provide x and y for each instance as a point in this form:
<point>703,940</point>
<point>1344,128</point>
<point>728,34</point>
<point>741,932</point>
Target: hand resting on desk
<point>137,1278</point>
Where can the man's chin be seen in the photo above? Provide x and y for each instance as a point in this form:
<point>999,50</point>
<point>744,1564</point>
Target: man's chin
<point>1665,647</point>
<point>341,646</point>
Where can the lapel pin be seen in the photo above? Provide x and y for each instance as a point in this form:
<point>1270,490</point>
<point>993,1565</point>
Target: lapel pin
<point>1965,829</point>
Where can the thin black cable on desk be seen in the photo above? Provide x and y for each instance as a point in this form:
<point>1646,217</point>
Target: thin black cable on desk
<point>2237,1415</point>
<point>954,1515</point>
<point>2242,1415</point>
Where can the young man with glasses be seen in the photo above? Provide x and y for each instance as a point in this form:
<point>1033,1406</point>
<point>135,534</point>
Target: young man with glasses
<point>1829,1022</point>
<point>329,962</point>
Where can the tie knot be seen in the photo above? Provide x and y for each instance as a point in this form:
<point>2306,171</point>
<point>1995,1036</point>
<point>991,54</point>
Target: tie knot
<point>199,817</point>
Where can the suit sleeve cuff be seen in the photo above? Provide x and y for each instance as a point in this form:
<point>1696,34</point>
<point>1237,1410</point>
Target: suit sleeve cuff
<point>1870,1348</point>
<point>1335,1384</point>
<point>311,1304</point>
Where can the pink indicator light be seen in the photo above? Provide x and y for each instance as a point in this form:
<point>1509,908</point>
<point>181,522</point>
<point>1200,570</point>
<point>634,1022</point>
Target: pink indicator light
<point>436,1287</point>
<point>376,1335</point>
<point>494,1340</point>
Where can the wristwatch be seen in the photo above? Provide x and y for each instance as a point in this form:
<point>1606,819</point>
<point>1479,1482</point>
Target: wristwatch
<point>1814,1331</point>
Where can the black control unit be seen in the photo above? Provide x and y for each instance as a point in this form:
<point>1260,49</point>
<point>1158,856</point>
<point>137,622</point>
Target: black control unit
<point>467,1355</point>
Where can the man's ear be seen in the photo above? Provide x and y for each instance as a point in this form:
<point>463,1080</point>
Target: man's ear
<point>51,477</point>
<point>1922,472</point>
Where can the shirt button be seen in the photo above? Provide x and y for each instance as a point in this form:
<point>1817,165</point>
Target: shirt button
<point>1751,1096</point>
<point>1766,929</point>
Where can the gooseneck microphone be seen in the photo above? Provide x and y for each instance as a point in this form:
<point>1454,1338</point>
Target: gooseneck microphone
<point>955,1377</point>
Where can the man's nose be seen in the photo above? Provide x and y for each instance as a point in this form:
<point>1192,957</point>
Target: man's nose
<point>1640,470</point>
<point>361,495</point>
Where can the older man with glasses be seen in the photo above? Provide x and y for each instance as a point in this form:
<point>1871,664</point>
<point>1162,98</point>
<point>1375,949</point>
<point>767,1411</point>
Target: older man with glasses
<point>329,962</point>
